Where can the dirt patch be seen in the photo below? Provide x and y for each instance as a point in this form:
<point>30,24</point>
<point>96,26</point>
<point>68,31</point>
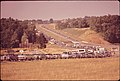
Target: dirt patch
<point>92,36</point>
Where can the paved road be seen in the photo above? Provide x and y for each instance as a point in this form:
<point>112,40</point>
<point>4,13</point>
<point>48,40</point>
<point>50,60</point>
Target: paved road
<point>39,26</point>
<point>54,32</point>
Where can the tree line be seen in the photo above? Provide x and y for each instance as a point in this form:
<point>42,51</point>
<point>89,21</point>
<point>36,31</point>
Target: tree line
<point>14,31</point>
<point>108,25</point>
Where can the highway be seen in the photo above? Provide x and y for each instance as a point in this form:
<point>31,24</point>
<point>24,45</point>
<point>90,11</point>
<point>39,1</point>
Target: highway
<point>54,32</point>
<point>39,26</point>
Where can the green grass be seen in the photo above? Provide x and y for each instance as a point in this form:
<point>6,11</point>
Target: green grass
<point>75,31</point>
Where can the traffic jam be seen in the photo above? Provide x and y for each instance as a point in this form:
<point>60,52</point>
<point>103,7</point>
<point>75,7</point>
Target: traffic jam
<point>85,52</point>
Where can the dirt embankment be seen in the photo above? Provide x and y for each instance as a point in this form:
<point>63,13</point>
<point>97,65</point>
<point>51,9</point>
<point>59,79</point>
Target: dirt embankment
<point>92,36</point>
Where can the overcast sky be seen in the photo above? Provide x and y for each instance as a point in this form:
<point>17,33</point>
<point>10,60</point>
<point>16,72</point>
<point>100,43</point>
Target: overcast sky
<point>57,9</point>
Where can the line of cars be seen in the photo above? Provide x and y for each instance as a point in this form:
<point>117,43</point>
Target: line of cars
<point>85,53</point>
<point>28,57</point>
<point>81,53</point>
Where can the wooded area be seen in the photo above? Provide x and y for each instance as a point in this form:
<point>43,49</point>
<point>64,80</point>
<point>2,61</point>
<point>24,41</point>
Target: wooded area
<point>108,26</point>
<point>13,32</point>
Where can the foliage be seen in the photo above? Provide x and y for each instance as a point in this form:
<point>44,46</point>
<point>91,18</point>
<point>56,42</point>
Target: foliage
<point>72,23</point>
<point>108,25</point>
<point>51,20</point>
<point>42,40</point>
<point>14,32</point>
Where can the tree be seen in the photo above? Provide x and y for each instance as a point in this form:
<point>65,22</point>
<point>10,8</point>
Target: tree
<point>14,40</point>
<point>14,36</point>
<point>15,43</point>
<point>20,32</point>
<point>31,37</point>
<point>24,40</point>
<point>51,20</point>
<point>12,31</point>
<point>39,21</point>
<point>42,41</point>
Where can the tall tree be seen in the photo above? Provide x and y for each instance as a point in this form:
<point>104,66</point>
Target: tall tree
<point>24,40</point>
<point>42,41</point>
<point>51,20</point>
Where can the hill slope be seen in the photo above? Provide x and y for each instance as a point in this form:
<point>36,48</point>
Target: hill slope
<point>82,34</point>
<point>92,36</point>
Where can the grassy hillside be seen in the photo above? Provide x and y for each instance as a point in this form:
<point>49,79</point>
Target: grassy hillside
<point>82,34</point>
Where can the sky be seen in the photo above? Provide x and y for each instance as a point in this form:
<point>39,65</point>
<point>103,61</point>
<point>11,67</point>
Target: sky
<point>45,10</point>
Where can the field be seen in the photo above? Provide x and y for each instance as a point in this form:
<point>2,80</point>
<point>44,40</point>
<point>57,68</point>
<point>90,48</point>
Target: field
<point>65,69</point>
